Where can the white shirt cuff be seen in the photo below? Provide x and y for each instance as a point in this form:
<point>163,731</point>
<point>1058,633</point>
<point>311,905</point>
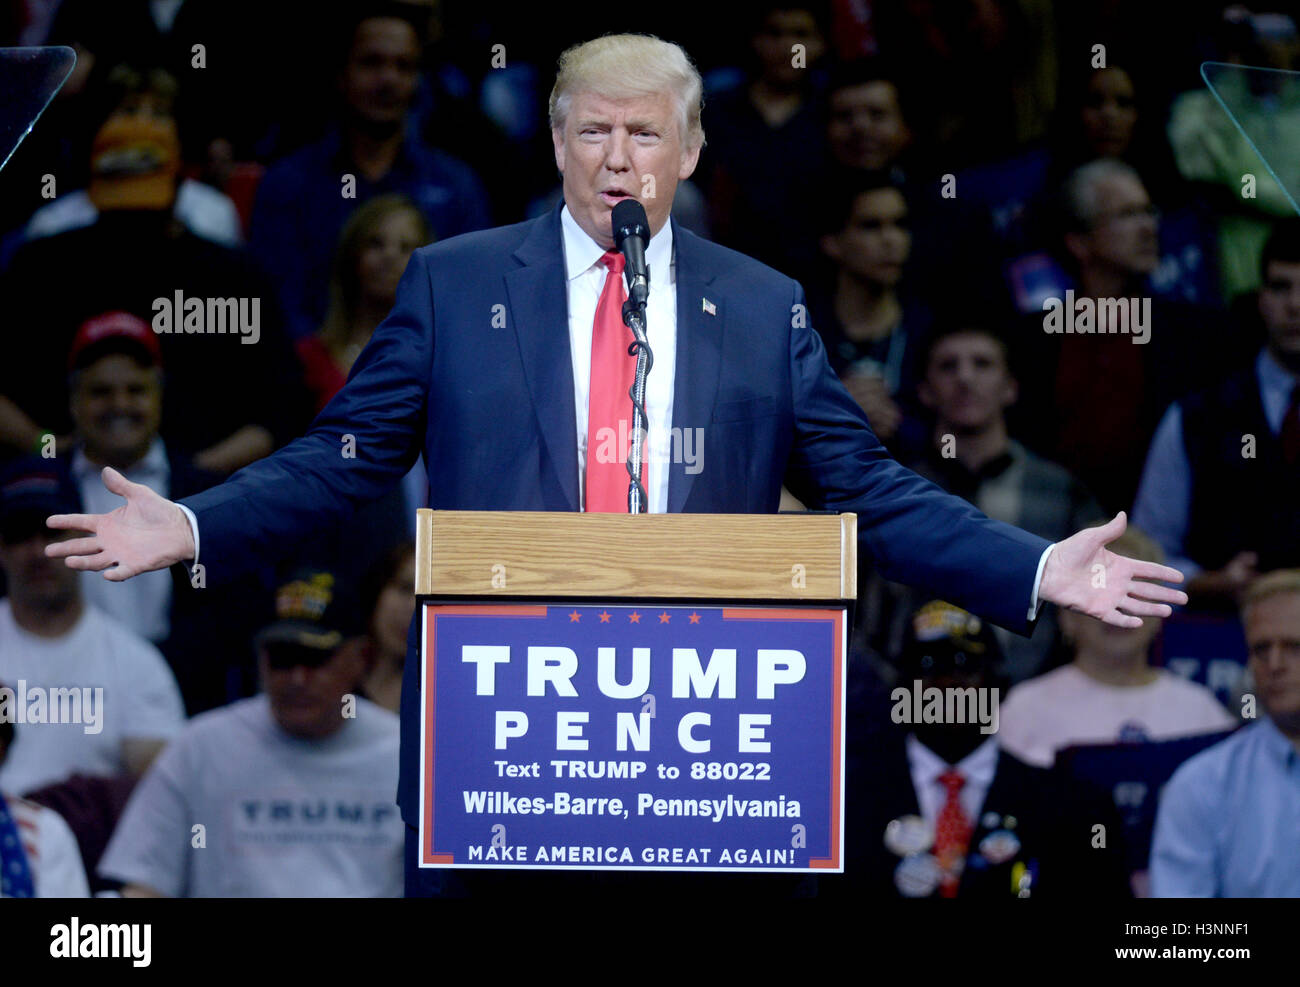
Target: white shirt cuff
<point>1034,603</point>
<point>194,530</point>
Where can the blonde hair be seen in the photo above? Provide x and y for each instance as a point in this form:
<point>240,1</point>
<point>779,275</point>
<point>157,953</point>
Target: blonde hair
<point>601,66</point>
<point>1271,584</point>
<point>345,284</point>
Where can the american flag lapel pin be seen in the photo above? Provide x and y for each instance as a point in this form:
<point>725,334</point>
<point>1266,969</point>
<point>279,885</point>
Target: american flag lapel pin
<point>709,307</point>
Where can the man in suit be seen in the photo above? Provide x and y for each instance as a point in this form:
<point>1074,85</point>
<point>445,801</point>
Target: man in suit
<point>498,364</point>
<point>934,809</point>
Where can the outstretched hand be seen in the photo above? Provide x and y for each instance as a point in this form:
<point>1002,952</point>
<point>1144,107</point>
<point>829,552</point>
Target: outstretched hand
<point>147,532</point>
<point>1082,575</point>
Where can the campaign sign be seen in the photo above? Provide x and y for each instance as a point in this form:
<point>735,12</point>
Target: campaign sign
<point>587,737</point>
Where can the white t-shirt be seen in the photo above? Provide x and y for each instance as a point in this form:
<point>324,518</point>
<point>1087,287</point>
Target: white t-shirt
<point>124,689</point>
<point>1066,706</point>
<point>280,816</point>
<point>52,852</point>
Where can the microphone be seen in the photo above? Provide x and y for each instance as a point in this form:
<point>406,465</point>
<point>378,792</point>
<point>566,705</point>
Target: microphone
<point>631,234</point>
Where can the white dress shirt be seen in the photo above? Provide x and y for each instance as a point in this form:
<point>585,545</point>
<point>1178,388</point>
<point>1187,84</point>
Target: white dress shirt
<point>977,767</point>
<point>586,279</point>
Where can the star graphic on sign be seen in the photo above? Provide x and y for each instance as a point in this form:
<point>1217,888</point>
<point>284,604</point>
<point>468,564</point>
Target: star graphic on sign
<point>574,617</point>
<point>604,617</point>
<point>664,618</point>
<point>634,617</point>
<point>695,618</point>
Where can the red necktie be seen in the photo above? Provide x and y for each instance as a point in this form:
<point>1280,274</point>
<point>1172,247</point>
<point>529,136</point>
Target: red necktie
<point>609,408</point>
<point>1290,435</point>
<point>951,834</point>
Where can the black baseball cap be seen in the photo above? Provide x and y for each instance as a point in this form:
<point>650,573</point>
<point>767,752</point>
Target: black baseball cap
<point>941,638</point>
<point>31,489</point>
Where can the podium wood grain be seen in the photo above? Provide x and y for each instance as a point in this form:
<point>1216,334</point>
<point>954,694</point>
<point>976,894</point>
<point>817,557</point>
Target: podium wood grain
<point>700,556</point>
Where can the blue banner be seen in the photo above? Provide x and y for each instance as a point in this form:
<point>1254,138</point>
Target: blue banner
<point>636,738</point>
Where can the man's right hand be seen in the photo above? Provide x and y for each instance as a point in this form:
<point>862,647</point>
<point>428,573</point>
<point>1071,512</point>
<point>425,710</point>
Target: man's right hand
<point>147,532</point>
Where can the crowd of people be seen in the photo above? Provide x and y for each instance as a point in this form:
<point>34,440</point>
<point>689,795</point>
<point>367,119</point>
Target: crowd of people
<point>1027,251</point>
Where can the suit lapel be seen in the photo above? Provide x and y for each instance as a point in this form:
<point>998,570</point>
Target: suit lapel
<point>539,305</point>
<point>699,355</point>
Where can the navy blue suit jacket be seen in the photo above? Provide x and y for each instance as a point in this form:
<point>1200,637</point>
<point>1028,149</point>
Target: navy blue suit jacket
<point>472,368</point>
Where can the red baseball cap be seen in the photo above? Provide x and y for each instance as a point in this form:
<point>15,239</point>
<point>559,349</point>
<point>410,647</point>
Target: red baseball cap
<point>116,326</point>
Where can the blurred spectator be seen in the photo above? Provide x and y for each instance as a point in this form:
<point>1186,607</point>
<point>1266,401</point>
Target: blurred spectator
<point>1210,150</point>
<point>292,790</point>
<point>105,698</point>
<point>766,141</point>
<point>116,383</point>
<point>234,386</point>
<point>1228,818</point>
<point>1222,480</point>
<point>140,137</point>
<point>1109,693</point>
<point>936,809</point>
<point>869,127</point>
<point>871,333</point>
<point>38,853</point>
<point>873,125</point>
<point>1105,372</point>
<point>968,385</point>
<point>387,601</point>
<point>305,199</point>
<point>377,241</point>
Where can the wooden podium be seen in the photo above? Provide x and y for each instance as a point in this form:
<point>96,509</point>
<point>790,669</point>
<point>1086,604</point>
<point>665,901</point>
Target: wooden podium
<point>633,692</point>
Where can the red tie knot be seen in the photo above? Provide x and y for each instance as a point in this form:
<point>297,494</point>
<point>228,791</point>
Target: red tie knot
<point>952,781</point>
<point>613,260</point>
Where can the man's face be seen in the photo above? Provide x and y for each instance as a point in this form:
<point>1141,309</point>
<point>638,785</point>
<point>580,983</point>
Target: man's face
<point>1273,642</point>
<point>34,579</point>
<point>382,72</point>
<point>967,382</point>
<point>876,240</point>
<point>866,128</point>
<point>774,45</point>
<point>306,699</point>
<point>1124,233</point>
<point>610,150</point>
<point>117,405</point>
<point>1279,307</point>
<point>1109,112</point>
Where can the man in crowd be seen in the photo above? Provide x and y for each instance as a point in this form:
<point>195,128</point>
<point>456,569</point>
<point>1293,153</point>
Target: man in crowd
<point>116,384</point>
<point>870,330</point>
<point>286,794</point>
<point>1227,822</point>
<point>304,200</point>
<point>935,809</point>
<point>967,384</point>
<point>90,695</point>
<point>1222,478</point>
<point>1109,358</point>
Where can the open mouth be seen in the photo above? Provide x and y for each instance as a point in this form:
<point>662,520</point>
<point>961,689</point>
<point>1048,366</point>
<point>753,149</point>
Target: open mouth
<point>611,196</point>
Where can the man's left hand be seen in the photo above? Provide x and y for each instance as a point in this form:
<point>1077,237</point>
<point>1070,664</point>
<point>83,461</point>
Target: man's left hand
<point>1081,575</point>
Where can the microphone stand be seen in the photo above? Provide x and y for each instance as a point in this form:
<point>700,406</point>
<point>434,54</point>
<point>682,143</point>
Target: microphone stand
<point>634,319</point>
